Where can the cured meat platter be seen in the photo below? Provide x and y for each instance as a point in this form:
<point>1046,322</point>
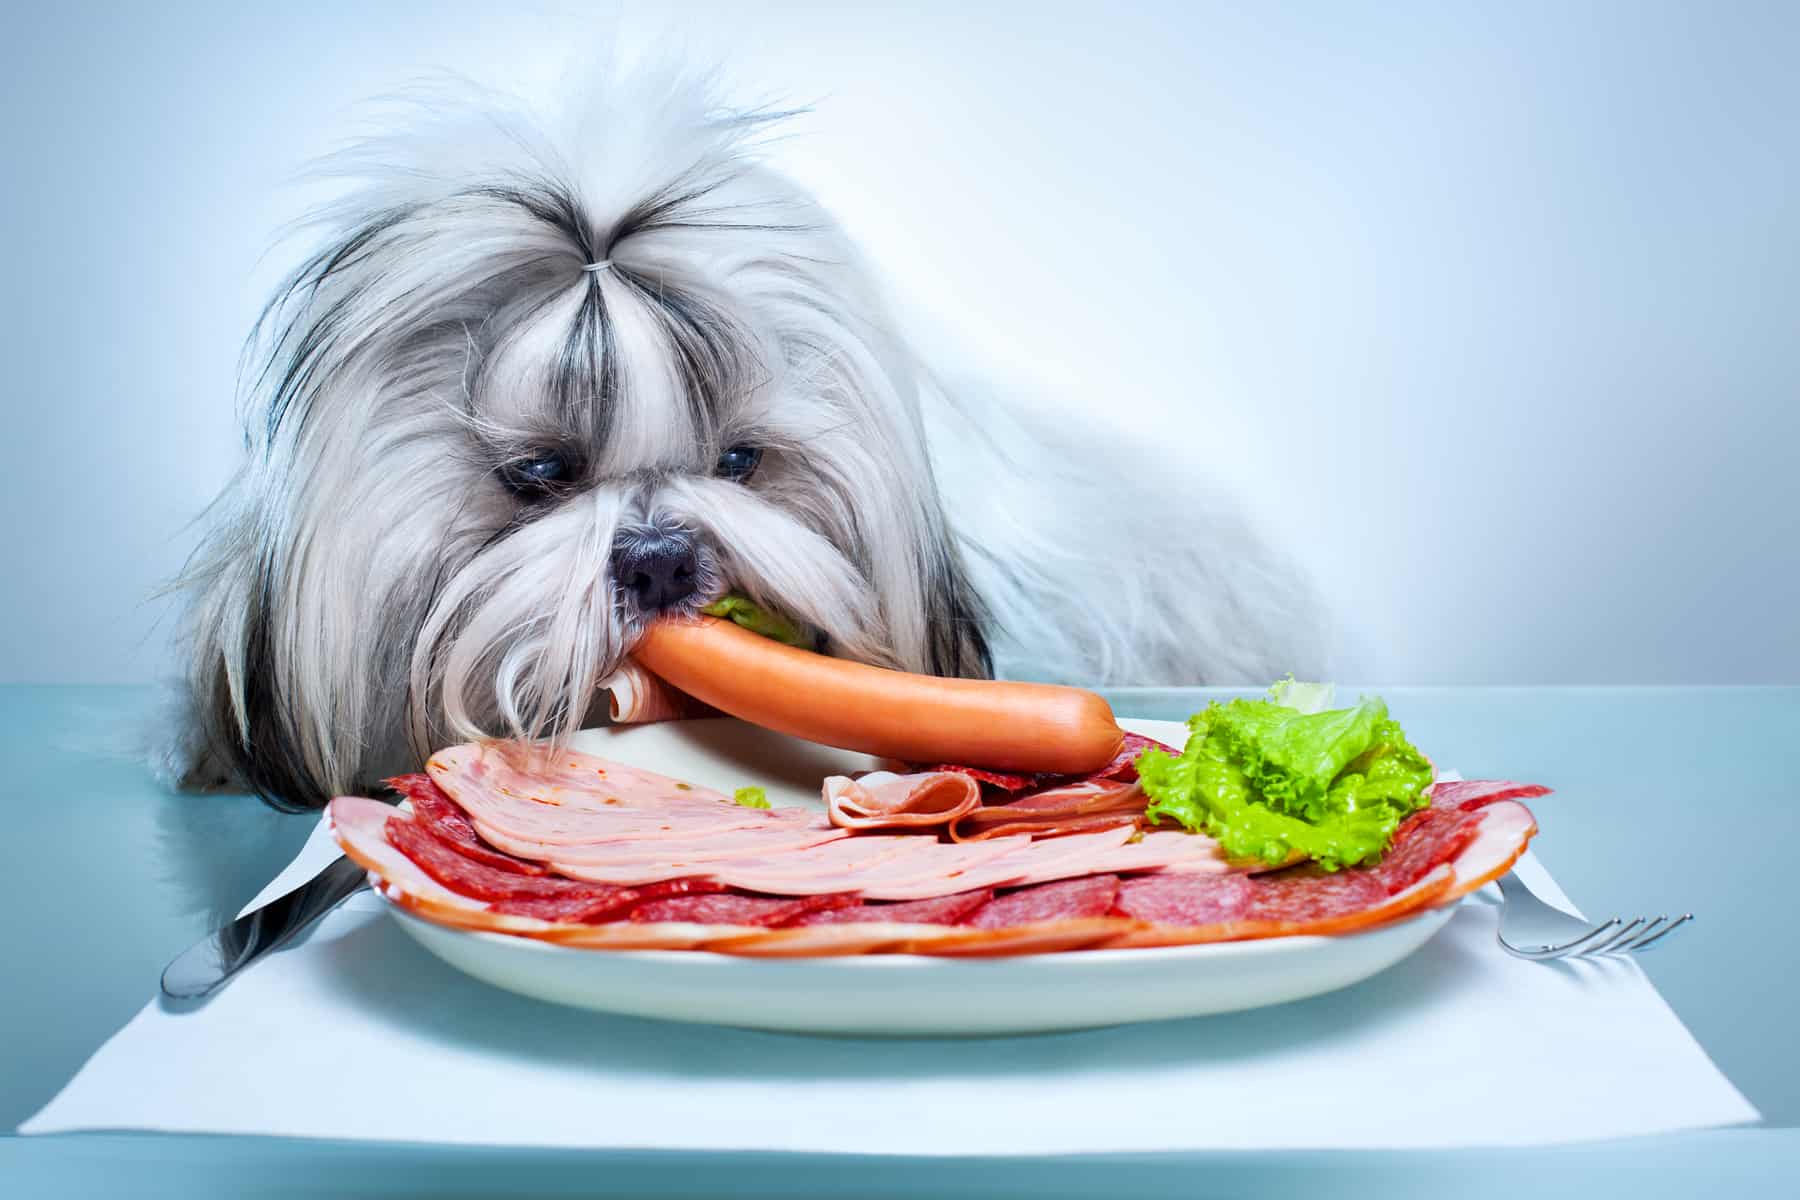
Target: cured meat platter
<point>1023,942</point>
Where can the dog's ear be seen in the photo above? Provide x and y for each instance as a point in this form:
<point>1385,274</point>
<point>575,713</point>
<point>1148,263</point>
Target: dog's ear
<point>238,733</point>
<point>955,620</point>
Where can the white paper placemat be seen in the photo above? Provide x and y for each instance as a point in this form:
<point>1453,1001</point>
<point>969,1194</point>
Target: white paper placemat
<point>360,1033</point>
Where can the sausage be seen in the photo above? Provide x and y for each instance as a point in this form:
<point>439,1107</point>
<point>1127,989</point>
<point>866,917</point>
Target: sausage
<point>854,706</point>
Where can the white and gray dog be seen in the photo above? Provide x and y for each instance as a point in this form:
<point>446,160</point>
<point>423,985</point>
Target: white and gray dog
<point>545,379</point>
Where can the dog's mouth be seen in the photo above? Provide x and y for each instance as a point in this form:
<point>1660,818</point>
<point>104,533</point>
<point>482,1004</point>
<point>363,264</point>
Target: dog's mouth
<point>724,599</point>
<point>627,693</point>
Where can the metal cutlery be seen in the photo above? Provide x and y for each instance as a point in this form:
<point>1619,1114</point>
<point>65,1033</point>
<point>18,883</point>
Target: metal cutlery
<point>210,963</point>
<point>1531,929</point>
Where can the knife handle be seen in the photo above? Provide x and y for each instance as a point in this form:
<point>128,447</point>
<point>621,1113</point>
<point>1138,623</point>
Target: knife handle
<point>210,963</point>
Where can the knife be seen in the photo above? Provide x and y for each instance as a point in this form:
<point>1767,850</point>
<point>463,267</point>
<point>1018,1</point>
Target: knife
<point>210,963</point>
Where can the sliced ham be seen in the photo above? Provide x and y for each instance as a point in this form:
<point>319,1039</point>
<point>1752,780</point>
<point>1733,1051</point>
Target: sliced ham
<point>1170,850</point>
<point>524,801</point>
<point>865,864</point>
<point>1506,828</point>
<point>1029,861</point>
<point>952,800</point>
<point>768,840</point>
<point>884,800</point>
<point>1069,808</point>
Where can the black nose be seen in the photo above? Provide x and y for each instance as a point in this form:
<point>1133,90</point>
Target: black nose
<point>657,567</point>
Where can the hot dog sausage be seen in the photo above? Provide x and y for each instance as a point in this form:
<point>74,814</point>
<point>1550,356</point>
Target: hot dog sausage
<point>917,718</point>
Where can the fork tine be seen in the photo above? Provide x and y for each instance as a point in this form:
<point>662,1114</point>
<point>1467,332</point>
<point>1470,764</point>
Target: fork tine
<point>1626,946</point>
<point>1575,947</point>
<point>1609,944</point>
<point>1645,942</point>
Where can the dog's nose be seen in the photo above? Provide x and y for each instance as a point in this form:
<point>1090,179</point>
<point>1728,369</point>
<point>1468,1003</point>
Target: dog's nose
<point>657,568</point>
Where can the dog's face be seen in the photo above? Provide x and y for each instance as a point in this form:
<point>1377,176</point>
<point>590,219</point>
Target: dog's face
<point>515,410</point>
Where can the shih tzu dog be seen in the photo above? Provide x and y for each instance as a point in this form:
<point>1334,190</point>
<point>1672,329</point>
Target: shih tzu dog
<point>541,381</point>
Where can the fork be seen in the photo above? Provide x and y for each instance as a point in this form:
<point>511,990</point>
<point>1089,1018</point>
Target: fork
<point>1531,929</point>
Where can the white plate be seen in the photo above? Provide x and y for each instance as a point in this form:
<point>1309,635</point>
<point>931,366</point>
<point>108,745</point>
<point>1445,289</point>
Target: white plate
<point>897,994</point>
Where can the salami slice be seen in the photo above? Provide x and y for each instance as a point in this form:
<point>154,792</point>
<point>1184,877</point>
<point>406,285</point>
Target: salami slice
<point>579,910</point>
<point>1006,781</point>
<point>732,909</point>
<point>1470,794</point>
<point>1424,840</point>
<point>615,905</point>
<point>632,935</point>
<point>467,877</point>
<point>445,819</point>
<point>1185,899</point>
<point>939,910</point>
<point>1124,764</point>
<point>1308,895</point>
<point>1122,767</point>
<point>1069,899</point>
<point>1297,920</point>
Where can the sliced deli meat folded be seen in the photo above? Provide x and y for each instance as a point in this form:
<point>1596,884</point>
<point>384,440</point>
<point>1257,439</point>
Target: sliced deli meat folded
<point>1089,804</point>
<point>884,800</point>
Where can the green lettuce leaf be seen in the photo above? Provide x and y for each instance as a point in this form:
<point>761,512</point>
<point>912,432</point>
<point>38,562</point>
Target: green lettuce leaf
<point>741,611</point>
<point>1272,782</point>
<point>751,797</point>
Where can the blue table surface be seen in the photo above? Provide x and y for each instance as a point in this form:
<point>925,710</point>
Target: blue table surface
<point>117,876</point>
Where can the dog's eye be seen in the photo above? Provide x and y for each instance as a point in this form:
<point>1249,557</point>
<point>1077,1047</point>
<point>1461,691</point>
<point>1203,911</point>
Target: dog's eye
<point>739,462</point>
<point>537,474</point>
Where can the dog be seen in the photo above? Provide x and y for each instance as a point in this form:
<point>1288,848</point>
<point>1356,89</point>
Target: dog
<point>541,380</point>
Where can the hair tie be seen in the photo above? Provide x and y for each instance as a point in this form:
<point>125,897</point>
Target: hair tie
<point>594,268</point>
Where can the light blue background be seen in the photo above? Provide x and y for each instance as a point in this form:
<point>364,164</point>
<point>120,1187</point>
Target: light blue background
<point>1489,310</point>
